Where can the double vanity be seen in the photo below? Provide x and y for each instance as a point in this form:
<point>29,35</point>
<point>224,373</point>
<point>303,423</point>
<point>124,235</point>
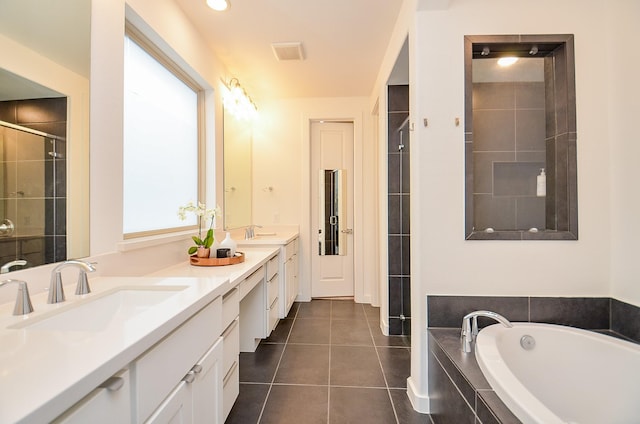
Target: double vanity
<point>146,349</point>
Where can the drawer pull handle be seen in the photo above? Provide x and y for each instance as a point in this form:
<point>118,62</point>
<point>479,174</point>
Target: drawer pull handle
<point>232,368</point>
<point>229,294</point>
<point>197,368</point>
<point>113,384</point>
<point>230,328</point>
<point>189,377</point>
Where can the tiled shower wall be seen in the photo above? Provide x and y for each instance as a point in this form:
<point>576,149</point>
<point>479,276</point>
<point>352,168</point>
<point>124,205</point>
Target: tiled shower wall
<point>398,207</point>
<point>34,192</point>
<point>508,152</point>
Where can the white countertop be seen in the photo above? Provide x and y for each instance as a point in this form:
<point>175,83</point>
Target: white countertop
<point>278,237</point>
<point>44,372</point>
<point>254,257</point>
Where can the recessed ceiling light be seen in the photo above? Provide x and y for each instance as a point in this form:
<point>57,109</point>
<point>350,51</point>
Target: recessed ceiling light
<point>507,61</point>
<point>218,5</point>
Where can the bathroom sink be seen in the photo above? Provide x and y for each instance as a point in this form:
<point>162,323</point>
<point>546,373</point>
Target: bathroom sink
<point>97,313</point>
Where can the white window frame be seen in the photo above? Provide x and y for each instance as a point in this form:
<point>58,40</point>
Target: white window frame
<point>137,37</point>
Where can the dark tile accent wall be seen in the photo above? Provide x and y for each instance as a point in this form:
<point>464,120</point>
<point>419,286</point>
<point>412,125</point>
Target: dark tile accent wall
<point>508,153</point>
<point>37,190</point>
<point>591,313</point>
<point>398,206</point>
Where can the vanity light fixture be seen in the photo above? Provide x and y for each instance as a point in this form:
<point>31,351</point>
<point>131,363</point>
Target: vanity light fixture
<point>237,101</point>
<point>507,61</point>
<point>218,5</point>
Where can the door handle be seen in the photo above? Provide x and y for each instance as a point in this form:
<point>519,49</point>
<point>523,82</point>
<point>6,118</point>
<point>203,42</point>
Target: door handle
<point>347,231</point>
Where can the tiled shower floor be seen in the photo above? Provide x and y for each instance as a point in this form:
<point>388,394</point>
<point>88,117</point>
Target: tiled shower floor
<point>327,362</point>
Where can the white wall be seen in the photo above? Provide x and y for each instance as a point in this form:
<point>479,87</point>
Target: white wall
<point>624,110</point>
<point>281,160</point>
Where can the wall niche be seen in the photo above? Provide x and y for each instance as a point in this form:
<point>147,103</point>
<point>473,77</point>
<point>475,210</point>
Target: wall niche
<point>520,119</point>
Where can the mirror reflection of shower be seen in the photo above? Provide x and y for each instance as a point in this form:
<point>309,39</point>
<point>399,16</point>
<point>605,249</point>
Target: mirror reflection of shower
<point>32,183</point>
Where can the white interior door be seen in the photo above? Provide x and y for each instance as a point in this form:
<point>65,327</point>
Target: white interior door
<point>332,209</point>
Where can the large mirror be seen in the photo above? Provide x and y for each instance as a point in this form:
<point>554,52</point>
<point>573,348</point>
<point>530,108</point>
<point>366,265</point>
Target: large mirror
<point>331,214</point>
<point>520,138</point>
<point>44,133</point>
<point>238,136</point>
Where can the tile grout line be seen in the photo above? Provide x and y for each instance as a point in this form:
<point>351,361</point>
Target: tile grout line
<point>386,383</point>
<point>286,342</point>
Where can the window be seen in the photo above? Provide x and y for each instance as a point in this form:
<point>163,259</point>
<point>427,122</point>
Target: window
<point>161,141</point>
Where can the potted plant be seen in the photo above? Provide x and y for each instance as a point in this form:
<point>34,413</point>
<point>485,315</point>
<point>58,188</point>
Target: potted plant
<point>202,246</point>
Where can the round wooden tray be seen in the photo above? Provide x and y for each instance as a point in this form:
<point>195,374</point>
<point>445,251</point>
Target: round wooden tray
<point>196,261</point>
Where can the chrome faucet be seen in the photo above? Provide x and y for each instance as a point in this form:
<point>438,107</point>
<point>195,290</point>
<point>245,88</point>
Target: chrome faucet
<point>56,292</point>
<point>249,232</point>
<point>7,267</point>
<point>23,301</point>
<point>470,327</point>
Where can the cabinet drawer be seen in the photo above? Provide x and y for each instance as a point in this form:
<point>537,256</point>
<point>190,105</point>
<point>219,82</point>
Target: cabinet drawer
<point>231,346</point>
<point>273,315</point>
<point>290,250</point>
<point>176,408</point>
<point>156,372</point>
<point>251,281</point>
<point>272,266</point>
<point>273,287</point>
<point>231,389</point>
<point>111,396</point>
<point>230,306</point>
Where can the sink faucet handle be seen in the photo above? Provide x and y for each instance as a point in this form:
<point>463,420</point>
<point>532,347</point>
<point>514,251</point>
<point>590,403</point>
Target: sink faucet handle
<point>23,300</point>
<point>56,291</point>
<point>83,283</point>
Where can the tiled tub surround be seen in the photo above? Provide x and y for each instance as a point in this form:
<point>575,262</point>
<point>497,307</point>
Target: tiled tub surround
<point>398,206</point>
<point>458,391</point>
<point>591,313</point>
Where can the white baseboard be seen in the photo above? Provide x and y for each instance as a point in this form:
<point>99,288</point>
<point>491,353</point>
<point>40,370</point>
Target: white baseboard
<point>384,327</point>
<point>419,401</point>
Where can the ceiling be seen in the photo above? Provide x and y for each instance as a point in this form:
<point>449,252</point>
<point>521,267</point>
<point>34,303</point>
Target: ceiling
<point>344,42</point>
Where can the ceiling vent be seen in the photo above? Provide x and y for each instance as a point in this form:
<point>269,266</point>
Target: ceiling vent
<point>288,51</point>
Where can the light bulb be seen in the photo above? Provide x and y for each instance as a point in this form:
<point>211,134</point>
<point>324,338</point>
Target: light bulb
<point>507,61</point>
<point>218,5</point>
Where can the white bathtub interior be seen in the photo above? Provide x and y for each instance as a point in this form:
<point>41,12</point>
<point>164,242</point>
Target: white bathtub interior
<point>570,375</point>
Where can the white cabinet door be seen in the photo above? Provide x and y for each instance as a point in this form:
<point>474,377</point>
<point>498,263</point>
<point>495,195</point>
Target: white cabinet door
<point>107,404</point>
<point>175,409</point>
<point>206,387</point>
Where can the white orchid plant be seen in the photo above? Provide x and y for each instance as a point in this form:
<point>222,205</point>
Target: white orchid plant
<point>204,215</point>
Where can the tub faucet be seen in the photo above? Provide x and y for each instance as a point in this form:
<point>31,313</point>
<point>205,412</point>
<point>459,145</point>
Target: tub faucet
<point>23,301</point>
<point>7,267</point>
<point>249,232</point>
<point>56,292</point>
<point>470,327</point>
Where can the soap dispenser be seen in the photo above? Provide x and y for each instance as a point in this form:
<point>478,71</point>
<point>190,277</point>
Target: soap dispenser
<point>230,244</point>
<point>541,187</point>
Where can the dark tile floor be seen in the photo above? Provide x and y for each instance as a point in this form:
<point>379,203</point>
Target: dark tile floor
<point>327,362</point>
